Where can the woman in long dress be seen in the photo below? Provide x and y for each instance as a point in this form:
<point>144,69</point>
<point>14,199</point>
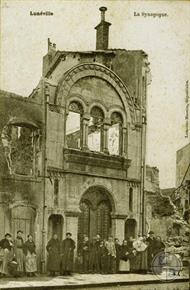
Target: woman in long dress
<point>19,254</point>
<point>6,246</point>
<point>140,247</point>
<point>124,265</point>
<point>30,260</point>
<point>111,255</point>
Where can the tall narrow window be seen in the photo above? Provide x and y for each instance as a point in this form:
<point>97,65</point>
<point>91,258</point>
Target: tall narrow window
<point>103,220</point>
<point>56,191</point>
<point>115,134</point>
<point>83,222</point>
<point>73,125</point>
<point>130,199</point>
<point>95,129</point>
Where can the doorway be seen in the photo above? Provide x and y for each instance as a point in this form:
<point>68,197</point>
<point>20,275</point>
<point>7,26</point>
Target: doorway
<point>130,228</point>
<point>95,217</point>
<point>23,218</point>
<point>55,225</point>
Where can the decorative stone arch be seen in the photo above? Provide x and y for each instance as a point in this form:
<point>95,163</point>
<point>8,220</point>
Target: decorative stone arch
<point>23,204</point>
<point>99,71</point>
<point>119,110</point>
<point>100,105</point>
<point>23,122</point>
<point>106,190</point>
<point>76,98</point>
<point>96,206</point>
<point>23,217</point>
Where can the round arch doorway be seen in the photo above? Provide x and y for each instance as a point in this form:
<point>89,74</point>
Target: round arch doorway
<point>95,218</point>
<point>130,228</point>
<point>55,225</point>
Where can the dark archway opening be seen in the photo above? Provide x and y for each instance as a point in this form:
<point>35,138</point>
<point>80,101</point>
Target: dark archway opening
<point>55,225</point>
<point>130,228</point>
<point>95,217</point>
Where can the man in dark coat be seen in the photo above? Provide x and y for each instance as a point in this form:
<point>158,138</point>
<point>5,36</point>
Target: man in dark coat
<point>118,253</point>
<point>85,255</point>
<point>67,255</point>
<point>151,249</point>
<point>53,262</point>
<point>159,245</point>
<point>103,258</point>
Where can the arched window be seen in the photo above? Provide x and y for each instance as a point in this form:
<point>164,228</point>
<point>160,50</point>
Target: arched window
<point>83,221</point>
<point>130,199</point>
<point>20,147</point>
<point>73,125</point>
<point>115,134</point>
<point>103,220</point>
<point>95,129</point>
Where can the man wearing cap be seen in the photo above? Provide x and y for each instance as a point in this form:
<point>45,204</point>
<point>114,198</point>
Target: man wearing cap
<point>67,254</point>
<point>151,249</point>
<point>18,251</point>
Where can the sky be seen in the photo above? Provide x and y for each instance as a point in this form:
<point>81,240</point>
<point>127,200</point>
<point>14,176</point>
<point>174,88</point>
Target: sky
<point>166,40</point>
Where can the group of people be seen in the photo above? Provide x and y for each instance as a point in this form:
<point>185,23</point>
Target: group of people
<point>94,256</point>
<point>109,256</point>
<point>17,257</point>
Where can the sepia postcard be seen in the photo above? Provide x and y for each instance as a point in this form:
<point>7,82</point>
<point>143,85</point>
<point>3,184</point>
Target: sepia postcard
<point>95,144</point>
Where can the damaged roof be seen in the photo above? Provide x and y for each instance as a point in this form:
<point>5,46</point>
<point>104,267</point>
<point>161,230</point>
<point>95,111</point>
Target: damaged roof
<point>17,109</point>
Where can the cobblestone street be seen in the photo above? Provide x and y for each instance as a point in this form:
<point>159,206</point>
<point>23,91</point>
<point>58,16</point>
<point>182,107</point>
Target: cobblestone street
<point>83,281</point>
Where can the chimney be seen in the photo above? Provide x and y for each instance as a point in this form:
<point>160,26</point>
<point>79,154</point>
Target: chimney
<point>102,31</point>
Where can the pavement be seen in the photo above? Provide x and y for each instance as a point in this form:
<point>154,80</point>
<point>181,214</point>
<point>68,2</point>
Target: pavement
<point>81,281</point>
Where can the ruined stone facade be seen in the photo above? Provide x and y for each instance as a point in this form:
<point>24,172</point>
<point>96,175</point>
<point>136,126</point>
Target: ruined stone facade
<point>81,164</point>
<point>182,194</point>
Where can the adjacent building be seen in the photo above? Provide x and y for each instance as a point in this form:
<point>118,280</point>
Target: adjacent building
<point>73,152</point>
<point>182,194</point>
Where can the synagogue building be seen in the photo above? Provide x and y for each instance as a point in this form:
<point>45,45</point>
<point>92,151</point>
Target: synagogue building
<point>73,153</point>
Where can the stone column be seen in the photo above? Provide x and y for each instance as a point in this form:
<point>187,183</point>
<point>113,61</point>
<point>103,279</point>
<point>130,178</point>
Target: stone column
<point>118,222</point>
<point>124,144</point>
<point>105,139</point>
<point>105,136</point>
<point>65,125</point>
<point>84,140</point>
